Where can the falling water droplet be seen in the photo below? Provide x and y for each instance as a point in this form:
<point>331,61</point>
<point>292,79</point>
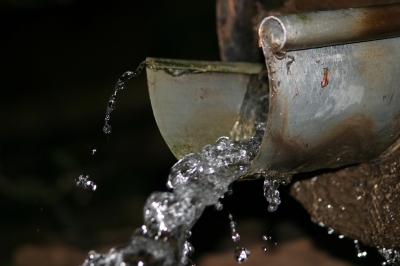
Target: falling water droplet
<point>235,237</point>
<point>360,253</point>
<point>264,249</point>
<point>219,206</point>
<point>94,151</point>
<point>267,238</point>
<point>272,207</point>
<point>188,234</point>
<point>83,181</point>
<point>107,129</point>
<point>241,254</point>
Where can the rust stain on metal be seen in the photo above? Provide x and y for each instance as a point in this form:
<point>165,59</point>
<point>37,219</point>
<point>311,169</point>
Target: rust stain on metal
<point>232,8</point>
<point>272,77</point>
<point>391,98</point>
<point>374,24</point>
<point>325,79</point>
<point>260,36</point>
<point>289,63</point>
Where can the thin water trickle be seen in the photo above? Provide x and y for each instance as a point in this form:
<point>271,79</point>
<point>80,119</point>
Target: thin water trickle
<point>234,233</point>
<point>121,83</point>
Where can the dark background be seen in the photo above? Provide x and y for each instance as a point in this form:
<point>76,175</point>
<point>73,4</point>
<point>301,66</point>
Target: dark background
<point>59,63</point>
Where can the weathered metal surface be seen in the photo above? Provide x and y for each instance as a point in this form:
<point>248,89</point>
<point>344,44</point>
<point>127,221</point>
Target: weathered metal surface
<point>330,106</point>
<point>198,104</point>
<point>238,21</point>
<point>316,29</point>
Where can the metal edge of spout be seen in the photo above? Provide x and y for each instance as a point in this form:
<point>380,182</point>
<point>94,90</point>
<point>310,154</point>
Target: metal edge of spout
<point>326,28</point>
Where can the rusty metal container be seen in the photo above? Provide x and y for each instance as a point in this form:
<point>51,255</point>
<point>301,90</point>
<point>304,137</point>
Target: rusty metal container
<point>334,96</point>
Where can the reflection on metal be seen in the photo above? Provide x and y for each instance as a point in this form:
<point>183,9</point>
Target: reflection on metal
<point>326,28</point>
<point>332,105</point>
<point>196,102</point>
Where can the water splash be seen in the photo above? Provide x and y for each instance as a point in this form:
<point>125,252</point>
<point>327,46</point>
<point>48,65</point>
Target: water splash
<point>83,181</point>
<point>197,180</point>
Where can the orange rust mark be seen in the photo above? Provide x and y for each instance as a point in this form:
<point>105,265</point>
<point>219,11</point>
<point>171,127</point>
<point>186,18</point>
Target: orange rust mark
<point>289,63</point>
<point>260,37</point>
<point>325,79</point>
<point>232,8</point>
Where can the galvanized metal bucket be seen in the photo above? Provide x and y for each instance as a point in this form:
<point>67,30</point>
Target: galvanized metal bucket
<point>334,96</point>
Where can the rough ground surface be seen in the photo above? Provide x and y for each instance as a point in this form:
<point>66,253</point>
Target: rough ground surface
<point>360,201</point>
